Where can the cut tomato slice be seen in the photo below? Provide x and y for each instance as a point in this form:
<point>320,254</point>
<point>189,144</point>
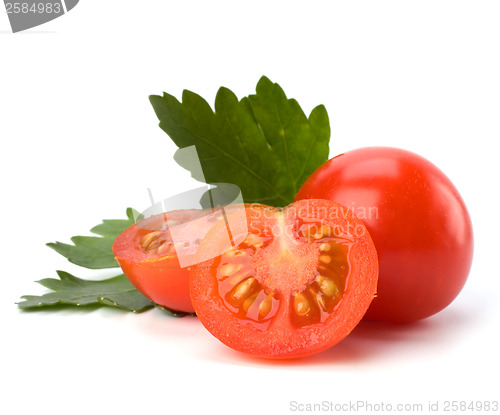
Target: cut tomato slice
<point>149,259</point>
<point>299,282</point>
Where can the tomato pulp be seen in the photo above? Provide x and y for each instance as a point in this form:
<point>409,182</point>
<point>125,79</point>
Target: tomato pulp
<point>418,221</point>
<point>298,283</point>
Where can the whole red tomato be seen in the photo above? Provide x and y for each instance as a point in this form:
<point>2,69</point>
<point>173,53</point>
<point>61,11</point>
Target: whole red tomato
<point>418,222</point>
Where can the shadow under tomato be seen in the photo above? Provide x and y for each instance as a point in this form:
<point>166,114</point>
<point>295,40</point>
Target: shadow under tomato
<point>373,342</point>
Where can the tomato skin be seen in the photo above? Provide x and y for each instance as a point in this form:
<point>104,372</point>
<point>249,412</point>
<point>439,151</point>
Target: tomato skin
<point>418,221</point>
<point>280,338</point>
<point>162,281</point>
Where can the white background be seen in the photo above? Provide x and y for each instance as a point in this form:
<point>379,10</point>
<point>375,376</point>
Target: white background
<point>80,143</point>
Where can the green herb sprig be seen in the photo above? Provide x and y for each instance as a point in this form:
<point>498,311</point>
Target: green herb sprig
<point>263,143</point>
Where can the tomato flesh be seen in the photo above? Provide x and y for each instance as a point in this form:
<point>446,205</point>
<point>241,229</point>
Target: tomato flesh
<point>297,284</point>
<point>417,219</point>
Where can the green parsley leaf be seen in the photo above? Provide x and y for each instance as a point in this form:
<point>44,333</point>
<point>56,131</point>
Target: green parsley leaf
<point>70,290</point>
<point>95,252</point>
<point>263,143</point>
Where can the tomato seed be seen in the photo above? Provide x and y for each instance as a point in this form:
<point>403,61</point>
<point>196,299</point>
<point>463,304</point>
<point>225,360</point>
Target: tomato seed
<point>325,231</point>
<point>319,299</point>
<point>326,259</point>
<point>248,302</point>
<point>265,306</point>
<point>301,304</point>
<point>150,240</point>
<point>243,288</point>
<point>254,240</point>
<point>235,252</point>
<point>164,248</point>
<point>327,286</point>
<point>325,247</point>
<point>315,232</point>
<point>229,269</point>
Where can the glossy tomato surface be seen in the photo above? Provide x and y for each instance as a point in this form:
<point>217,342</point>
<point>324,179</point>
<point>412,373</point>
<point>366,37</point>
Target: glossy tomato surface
<point>147,256</point>
<point>298,282</point>
<point>417,219</point>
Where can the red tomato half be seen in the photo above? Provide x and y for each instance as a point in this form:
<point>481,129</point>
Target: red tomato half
<point>299,282</point>
<point>418,222</point>
<point>148,258</point>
